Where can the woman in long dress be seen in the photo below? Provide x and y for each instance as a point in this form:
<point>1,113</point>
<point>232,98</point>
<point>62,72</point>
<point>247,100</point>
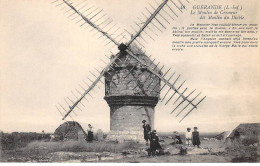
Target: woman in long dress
<point>90,133</point>
<point>196,137</point>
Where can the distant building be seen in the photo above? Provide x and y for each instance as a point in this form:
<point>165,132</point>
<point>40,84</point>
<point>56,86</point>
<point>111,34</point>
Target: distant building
<point>247,133</point>
<point>70,130</point>
<point>246,129</point>
<point>222,136</point>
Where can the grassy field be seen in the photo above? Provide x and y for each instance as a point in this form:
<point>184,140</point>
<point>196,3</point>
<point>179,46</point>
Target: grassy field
<point>82,151</point>
<point>78,146</point>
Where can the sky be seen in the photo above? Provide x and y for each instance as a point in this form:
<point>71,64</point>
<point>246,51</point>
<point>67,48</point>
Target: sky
<point>44,56</point>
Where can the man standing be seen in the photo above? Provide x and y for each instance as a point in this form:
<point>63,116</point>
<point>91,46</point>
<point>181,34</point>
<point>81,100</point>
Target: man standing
<point>147,131</point>
<point>196,137</point>
<point>188,136</point>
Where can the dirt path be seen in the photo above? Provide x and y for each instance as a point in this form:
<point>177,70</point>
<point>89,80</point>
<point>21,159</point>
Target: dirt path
<point>210,152</point>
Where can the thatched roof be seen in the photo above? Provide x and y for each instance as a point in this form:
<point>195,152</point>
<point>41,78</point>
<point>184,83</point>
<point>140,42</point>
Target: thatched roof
<point>127,61</point>
<point>70,130</point>
<point>222,136</point>
<point>247,129</point>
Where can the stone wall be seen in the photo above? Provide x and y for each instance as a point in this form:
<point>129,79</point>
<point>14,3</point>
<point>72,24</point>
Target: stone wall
<point>126,122</point>
<point>132,92</point>
<point>125,136</point>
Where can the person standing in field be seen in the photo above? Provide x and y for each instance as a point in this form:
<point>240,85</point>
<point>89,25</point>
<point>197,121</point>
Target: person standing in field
<point>42,135</point>
<point>147,131</point>
<point>196,137</point>
<point>90,133</point>
<point>154,144</point>
<point>188,136</point>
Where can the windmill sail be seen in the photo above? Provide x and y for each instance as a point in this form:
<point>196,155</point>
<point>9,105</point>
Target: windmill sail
<point>91,23</point>
<point>157,16</point>
<point>147,22</point>
<point>91,86</point>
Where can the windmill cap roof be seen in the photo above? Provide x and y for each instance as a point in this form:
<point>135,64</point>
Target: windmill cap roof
<point>127,61</point>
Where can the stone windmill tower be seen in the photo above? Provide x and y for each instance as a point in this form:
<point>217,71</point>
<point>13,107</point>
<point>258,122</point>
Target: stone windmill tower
<point>132,93</point>
<point>132,81</point>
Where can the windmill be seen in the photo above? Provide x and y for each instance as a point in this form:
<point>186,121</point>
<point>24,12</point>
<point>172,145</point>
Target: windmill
<point>132,81</point>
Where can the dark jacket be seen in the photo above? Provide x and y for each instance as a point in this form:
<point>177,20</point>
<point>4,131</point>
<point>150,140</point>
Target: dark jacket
<point>147,128</point>
<point>195,138</point>
<point>154,142</point>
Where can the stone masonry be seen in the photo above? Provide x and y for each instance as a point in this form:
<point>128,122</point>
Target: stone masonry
<point>131,92</point>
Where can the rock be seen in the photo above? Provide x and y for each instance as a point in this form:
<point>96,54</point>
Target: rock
<point>143,153</point>
<point>217,150</point>
<point>183,150</point>
<point>172,150</point>
<point>106,154</point>
<point>72,161</point>
<point>100,135</point>
<point>113,156</point>
<point>130,156</point>
<point>124,153</point>
<point>99,157</point>
<point>44,160</point>
<point>198,151</point>
<point>92,159</point>
<point>64,156</point>
<point>90,153</point>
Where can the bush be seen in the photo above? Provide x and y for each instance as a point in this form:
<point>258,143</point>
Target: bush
<point>15,140</point>
<point>250,141</point>
<point>240,150</point>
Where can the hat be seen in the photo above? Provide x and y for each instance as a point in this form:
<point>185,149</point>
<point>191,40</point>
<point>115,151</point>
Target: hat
<point>143,121</point>
<point>188,128</point>
<point>89,124</point>
<point>195,127</point>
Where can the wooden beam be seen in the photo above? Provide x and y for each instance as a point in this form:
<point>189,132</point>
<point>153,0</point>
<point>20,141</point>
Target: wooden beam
<point>147,22</point>
<point>92,85</point>
<point>91,23</point>
<point>158,75</point>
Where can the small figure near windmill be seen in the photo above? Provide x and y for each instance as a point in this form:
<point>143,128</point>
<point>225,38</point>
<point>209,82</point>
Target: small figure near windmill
<point>196,137</point>
<point>155,147</point>
<point>90,135</point>
<point>147,132</point>
<point>188,136</point>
